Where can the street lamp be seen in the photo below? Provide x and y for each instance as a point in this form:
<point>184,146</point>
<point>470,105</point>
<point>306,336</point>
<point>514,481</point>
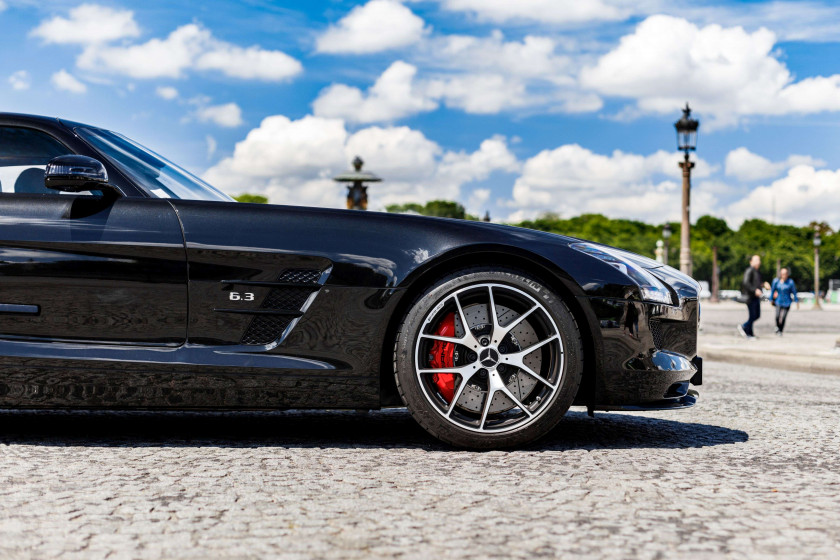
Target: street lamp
<point>817,243</point>
<point>686,141</point>
<point>666,235</point>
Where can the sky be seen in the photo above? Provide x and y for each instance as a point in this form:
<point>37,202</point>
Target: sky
<point>516,108</point>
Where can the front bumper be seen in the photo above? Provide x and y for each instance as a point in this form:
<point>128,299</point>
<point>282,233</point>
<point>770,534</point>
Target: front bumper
<point>686,401</point>
<point>650,356</point>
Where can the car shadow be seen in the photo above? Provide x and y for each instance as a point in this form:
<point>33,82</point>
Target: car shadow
<point>392,428</point>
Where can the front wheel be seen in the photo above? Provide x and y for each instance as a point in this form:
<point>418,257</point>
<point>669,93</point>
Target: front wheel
<point>488,358</point>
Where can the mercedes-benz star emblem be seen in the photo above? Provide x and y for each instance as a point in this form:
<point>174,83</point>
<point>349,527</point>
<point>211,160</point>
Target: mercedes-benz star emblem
<point>488,357</point>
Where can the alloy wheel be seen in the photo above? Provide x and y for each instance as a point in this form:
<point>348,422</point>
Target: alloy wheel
<point>489,358</point>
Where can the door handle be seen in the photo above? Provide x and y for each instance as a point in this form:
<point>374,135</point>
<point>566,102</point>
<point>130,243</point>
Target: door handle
<point>18,308</point>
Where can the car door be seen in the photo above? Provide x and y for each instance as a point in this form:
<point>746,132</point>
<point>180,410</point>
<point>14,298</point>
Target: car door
<point>81,267</point>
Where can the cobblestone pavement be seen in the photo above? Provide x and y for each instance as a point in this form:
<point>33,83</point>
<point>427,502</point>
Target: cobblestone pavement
<point>751,472</point>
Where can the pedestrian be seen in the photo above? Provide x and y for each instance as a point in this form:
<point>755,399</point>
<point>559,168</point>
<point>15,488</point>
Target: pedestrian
<point>781,292</point>
<point>751,292</point>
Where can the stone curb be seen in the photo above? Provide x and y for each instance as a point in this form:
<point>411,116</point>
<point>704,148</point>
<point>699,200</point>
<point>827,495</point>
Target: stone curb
<point>809,364</point>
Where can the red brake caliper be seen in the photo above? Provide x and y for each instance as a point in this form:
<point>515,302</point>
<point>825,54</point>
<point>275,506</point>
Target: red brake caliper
<point>442,355</point>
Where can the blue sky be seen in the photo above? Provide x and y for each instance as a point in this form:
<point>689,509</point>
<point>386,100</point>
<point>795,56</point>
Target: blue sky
<point>513,107</point>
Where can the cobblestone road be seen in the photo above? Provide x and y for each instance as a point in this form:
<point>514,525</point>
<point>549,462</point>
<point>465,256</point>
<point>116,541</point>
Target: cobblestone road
<point>752,471</point>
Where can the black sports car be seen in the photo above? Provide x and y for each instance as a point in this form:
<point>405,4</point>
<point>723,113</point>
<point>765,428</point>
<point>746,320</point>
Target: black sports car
<point>126,282</point>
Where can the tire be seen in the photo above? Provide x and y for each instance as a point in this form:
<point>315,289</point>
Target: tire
<point>527,356</point>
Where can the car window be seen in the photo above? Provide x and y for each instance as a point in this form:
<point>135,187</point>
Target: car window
<point>24,154</point>
<point>158,176</point>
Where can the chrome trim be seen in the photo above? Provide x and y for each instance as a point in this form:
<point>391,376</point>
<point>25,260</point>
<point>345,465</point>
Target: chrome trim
<point>20,308</point>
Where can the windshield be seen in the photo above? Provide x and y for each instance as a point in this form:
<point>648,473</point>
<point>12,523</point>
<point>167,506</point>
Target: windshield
<point>159,176</point>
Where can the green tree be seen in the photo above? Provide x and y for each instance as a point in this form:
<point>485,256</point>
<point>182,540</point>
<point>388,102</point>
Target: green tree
<point>407,207</point>
<point>709,227</point>
<point>437,208</point>
<point>253,198</point>
<point>790,246</point>
<point>707,233</point>
<point>631,235</point>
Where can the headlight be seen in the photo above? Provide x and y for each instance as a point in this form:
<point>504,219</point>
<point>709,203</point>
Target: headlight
<point>651,287</point>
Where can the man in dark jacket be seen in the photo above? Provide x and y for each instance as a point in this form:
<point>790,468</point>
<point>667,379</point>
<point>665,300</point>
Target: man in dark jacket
<point>751,288</point>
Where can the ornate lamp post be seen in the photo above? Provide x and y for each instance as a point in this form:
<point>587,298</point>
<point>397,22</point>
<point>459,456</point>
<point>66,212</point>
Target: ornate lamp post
<point>686,141</point>
<point>817,243</point>
<point>357,198</point>
<point>666,235</point>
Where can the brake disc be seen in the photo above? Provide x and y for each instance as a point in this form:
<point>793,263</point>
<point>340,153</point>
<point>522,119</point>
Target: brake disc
<point>518,383</point>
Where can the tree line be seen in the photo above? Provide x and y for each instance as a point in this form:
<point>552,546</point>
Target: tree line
<point>778,244</point>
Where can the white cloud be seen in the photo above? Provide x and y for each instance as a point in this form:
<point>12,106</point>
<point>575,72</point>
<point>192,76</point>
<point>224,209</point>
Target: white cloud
<point>718,188</point>
<point>490,74</point>
<point>532,57</point>
<point>492,155</point>
<point>791,21</point>
<point>63,80</point>
<point>252,63</point>
<point>572,180</point>
<point>20,80</point>
<point>166,92</point>
<point>744,165</point>
<point>543,11</point>
<point>393,96</point>
<point>726,73</point>
<point>399,153</point>
<point>228,115</point>
<point>2,5</point>
<point>667,163</point>
<point>284,150</point>
<point>376,26</point>
<point>804,194</point>
<point>189,47</point>
<point>293,162</point>
<point>88,24</point>
<point>398,93</point>
<point>480,75</point>
<point>156,58</point>
<point>479,93</point>
<point>477,202</point>
<point>417,169</point>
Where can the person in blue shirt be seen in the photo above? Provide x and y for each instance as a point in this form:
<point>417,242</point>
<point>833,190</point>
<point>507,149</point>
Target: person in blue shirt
<point>782,294</point>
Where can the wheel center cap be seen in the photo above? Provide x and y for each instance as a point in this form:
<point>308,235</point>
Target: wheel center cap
<point>488,357</point>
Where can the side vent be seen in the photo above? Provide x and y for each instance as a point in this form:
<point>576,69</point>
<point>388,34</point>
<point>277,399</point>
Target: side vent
<point>286,299</point>
<point>267,328</point>
<point>300,276</point>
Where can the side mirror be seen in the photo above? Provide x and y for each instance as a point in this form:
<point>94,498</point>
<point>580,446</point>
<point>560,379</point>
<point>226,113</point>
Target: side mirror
<point>73,173</point>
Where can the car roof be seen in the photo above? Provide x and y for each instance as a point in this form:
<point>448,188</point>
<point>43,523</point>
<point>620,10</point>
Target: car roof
<point>22,118</point>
